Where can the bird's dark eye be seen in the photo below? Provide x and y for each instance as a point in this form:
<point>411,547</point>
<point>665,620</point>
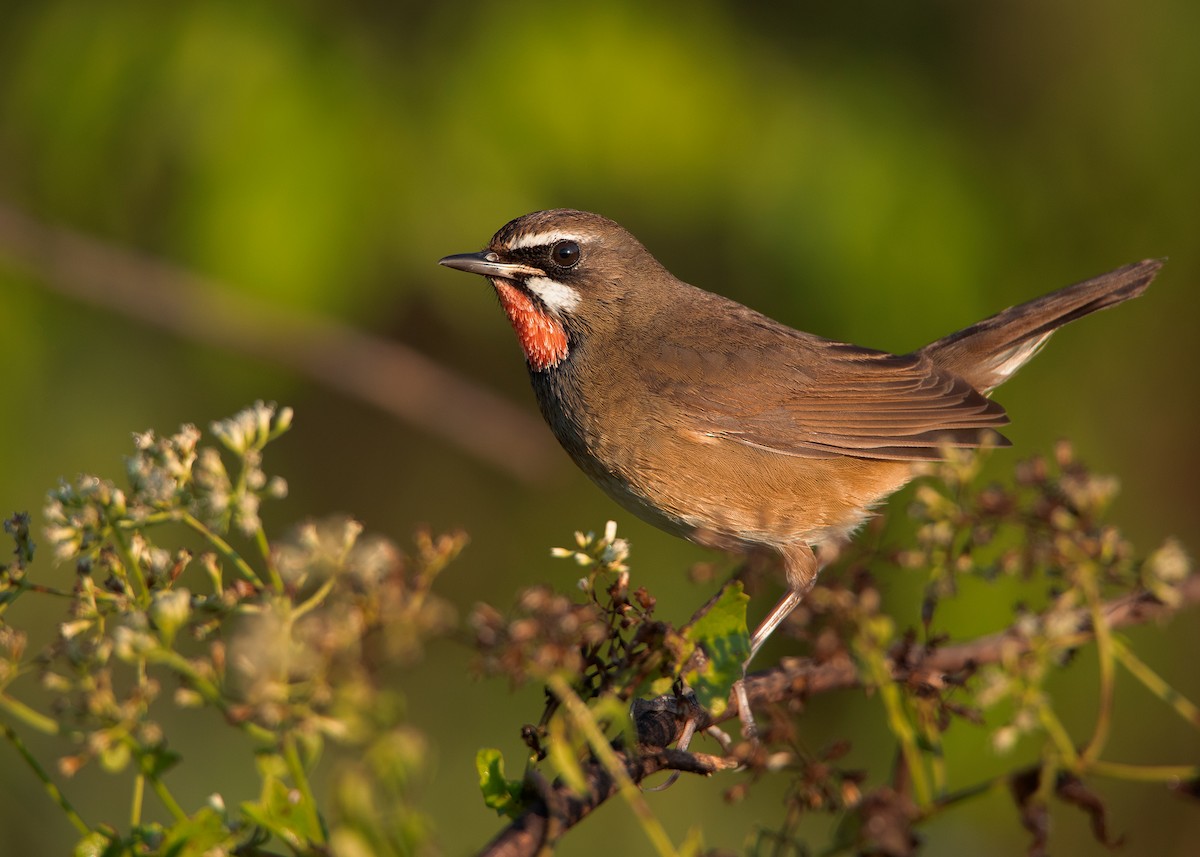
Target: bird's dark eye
<point>564,254</point>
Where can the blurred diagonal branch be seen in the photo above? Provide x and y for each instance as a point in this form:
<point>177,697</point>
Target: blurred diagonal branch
<point>558,807</point>
<point>390,376</point>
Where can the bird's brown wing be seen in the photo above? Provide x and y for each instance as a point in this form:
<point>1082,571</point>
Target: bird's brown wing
<point>806,396</point>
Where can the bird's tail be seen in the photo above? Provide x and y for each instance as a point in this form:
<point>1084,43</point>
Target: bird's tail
<point>987,353</point>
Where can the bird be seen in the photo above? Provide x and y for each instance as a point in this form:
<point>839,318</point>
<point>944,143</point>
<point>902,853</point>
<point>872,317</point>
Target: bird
<point>719,424</point>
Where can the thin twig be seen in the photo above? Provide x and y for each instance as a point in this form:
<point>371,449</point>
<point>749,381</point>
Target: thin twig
<point>390,376</point>
<point>51,789</point>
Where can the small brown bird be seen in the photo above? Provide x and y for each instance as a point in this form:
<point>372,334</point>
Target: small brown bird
<point>720,425</point>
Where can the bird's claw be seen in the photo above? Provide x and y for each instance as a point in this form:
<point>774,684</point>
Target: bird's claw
<point>671,719</point>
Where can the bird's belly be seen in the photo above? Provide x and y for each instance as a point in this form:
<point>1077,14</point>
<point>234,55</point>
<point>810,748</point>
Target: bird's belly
<point>734,497</point>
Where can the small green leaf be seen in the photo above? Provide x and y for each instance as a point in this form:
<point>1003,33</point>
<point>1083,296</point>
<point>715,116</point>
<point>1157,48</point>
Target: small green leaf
<point>282,812</point>
<point>499,793</point>
<point>723,635</point>
<point>203,833</point>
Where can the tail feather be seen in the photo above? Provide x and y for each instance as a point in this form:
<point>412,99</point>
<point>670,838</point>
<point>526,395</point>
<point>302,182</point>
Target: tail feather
<point>988,353</point>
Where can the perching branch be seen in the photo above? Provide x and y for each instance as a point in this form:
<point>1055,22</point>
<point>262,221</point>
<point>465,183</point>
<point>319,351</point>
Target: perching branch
<point>390,376</point>
<point>796,677</point>
<point>557,809</point>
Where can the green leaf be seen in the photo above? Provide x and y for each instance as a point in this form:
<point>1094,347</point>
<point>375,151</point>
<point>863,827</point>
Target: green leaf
<point>499,793</point>
<point>723,635</point>
<point>282,812</point>
<point>203,833</point>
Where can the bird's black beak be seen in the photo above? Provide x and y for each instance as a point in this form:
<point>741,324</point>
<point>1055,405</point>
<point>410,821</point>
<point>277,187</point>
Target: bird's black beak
<point>488,264</point>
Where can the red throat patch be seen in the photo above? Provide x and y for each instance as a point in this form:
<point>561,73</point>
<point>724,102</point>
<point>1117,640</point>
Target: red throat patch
<point>542,337</point>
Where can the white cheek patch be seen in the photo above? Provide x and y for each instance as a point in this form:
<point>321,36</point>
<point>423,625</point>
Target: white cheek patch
<point>556,296</point>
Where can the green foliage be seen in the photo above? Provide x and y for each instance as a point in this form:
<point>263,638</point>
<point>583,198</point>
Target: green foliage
<point>285,643</point>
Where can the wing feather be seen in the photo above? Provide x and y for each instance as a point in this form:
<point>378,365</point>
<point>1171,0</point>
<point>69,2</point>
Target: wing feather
<point>811,397</point>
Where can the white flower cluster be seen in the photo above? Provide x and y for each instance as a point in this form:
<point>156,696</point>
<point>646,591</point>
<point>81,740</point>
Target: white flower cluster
<point>253,427</point>
<point>169,478</point>
<point>605,553</point>
<point>318,550</point>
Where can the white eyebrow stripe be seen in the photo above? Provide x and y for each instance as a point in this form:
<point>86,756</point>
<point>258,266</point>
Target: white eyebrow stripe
<point>541,239</point>
<point>555,295</point>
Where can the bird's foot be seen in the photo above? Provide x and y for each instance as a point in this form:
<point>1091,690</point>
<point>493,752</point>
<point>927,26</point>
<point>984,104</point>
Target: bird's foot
<point>673,718</point>
<point>670,719</point>
<point>745,715</point>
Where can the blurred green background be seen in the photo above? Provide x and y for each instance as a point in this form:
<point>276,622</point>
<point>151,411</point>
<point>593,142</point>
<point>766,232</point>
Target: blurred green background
<point>882,173</point>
